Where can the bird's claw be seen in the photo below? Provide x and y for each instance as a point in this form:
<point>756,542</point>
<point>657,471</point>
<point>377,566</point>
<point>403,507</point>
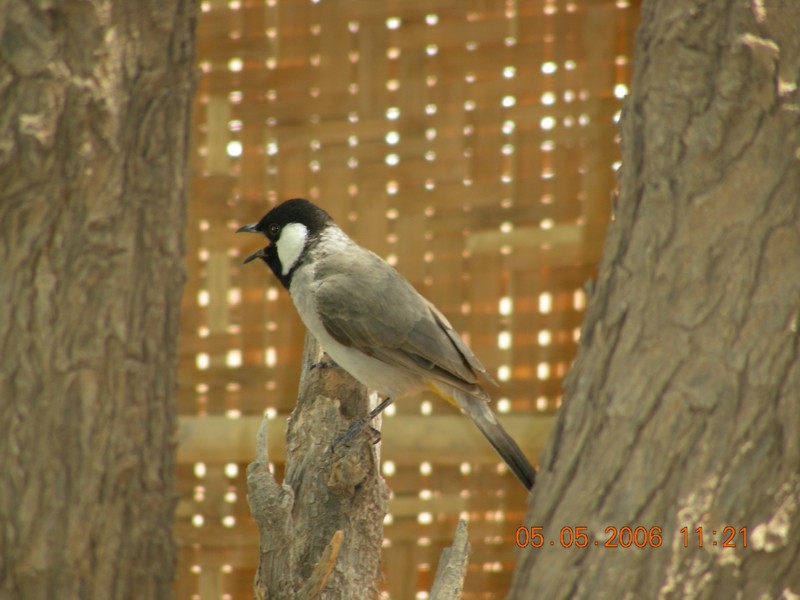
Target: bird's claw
<point>353,431</point>
<point>358,425</point>
<point>324,364</point>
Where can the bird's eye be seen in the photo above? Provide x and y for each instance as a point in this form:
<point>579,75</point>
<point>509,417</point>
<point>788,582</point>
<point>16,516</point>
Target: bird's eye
<point>274,229</point>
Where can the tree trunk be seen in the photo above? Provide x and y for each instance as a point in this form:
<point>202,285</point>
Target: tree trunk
<point>682,409</point>
<point>95,99</point>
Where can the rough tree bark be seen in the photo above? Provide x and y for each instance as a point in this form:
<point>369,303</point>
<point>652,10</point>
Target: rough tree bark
<point>95,99</point>
<point>321,530</point>
<point>448,583</point>
<point>683,407</point>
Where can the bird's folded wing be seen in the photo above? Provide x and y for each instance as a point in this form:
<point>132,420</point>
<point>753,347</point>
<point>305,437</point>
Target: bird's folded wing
<point>367,305</point>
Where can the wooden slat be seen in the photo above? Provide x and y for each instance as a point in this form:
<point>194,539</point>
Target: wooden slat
<point>452,440</point>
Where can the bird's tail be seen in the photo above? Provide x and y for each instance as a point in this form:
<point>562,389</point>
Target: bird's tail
<point>477,409</point>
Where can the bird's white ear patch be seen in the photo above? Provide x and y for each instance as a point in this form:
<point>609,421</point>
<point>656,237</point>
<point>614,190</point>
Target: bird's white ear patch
<point>290,245</point>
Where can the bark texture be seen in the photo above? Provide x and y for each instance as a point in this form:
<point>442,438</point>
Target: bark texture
<point>321,530</point>
<point>448,583</point>
<point>95,99</point>
<point>683,407</point>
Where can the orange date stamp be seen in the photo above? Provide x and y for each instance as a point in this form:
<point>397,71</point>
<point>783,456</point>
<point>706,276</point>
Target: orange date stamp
<point>627,537</point>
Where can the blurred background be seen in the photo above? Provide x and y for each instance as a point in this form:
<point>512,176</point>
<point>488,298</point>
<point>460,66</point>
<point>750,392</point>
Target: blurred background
<point>473,145</point>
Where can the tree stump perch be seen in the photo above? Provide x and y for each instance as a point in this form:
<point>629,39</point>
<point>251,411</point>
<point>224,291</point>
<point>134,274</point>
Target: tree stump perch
<point>321,530</point>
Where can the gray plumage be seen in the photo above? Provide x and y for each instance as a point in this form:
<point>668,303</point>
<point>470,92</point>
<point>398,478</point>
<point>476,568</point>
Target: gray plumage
<point>365,305</point>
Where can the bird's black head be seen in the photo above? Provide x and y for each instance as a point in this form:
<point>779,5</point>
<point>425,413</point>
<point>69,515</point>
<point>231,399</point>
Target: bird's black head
<point>290,227</point>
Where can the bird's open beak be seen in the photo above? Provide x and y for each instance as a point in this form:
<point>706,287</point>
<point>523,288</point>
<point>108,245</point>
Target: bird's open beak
<point>257,254</point>
<point>251,229</point>
<point>248,228</point>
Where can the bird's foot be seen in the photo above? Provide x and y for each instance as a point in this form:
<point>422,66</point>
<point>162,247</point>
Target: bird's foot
<point>324,364</point>
<point>352,432</point>
<point>358,425</point>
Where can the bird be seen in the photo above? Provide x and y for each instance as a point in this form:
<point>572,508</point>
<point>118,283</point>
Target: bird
<point>373,323</point>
